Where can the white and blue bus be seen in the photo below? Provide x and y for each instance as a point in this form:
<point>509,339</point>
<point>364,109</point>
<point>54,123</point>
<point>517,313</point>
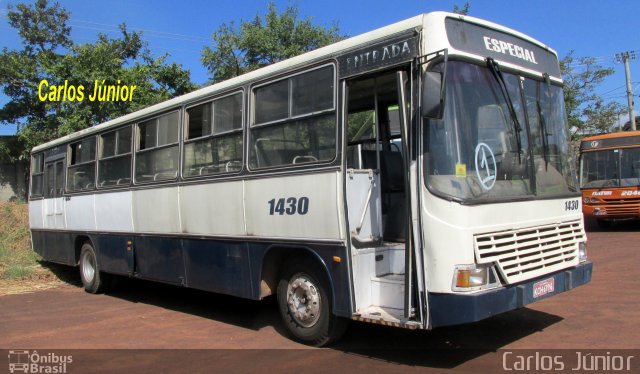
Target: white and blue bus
<point>419,175</point>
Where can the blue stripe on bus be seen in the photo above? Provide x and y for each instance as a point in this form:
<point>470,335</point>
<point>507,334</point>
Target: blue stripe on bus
<point>216,265</point>
<point>455,309</point>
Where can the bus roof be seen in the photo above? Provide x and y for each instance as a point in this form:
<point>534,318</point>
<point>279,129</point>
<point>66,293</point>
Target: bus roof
<point>622,134</point>
<point>412,24</point>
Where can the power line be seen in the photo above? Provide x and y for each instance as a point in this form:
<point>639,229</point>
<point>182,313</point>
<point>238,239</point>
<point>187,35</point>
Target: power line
<point>145,35</point>
<point>158,33</point>
<point>105,27</point>
<point>615,89</point>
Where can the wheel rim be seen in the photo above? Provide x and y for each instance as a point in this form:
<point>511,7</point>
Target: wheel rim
<point>88,264</point>
<point>303,300</point>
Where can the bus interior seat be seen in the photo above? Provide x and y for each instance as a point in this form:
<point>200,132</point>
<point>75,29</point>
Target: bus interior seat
<point>491,121</point>
<point>303,158</point>
<point>391,176</point>
<point>279,153</point>
<point>393,194</point>
<point>233,165</point>
<point>492,126</point>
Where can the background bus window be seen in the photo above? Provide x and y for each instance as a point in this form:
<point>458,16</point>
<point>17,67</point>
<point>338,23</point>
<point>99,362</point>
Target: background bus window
<point>600,169</point>
<point>114,167</point>
<point>37,174</point>
<point>82,168</point>
<point>214,137</point>
<point>157,157</point>
<point>630,167</point>
<point>295,120</point>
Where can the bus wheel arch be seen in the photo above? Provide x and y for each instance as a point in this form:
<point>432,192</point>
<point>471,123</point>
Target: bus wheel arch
<point>79,242</point>
<point>305,295</point>
<point>274,261</point>
<point>93,280</point>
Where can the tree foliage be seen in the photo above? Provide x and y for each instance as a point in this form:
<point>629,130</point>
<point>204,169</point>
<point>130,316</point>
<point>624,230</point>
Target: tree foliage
<point>587,111</point>
<point>464,10</point>
<point>261,42</point>
<point>49,54</point>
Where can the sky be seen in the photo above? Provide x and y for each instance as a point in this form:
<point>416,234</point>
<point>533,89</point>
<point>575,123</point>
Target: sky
<point>594,28</point>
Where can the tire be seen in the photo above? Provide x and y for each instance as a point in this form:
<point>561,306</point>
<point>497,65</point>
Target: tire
<point>305,304</point>
<point>92,280</point>
<point>604,224</point>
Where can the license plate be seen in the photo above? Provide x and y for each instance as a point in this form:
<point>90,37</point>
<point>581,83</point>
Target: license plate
<point>543,287</point>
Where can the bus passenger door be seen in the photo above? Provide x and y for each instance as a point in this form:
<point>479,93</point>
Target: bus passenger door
<point>375,176</point>
<point>378,196</point>
<point>54,188</point>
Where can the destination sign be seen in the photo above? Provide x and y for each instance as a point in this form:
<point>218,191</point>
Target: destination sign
<point>610,142</point>
<point>486,42</point>
<point>375,56</point>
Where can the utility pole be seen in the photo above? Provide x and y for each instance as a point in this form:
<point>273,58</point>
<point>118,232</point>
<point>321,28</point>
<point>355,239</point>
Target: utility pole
<point>619,124</point>
<point>625,57</point>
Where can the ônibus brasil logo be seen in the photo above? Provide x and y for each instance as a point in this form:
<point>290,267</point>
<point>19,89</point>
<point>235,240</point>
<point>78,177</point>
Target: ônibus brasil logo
<point>22,361</point>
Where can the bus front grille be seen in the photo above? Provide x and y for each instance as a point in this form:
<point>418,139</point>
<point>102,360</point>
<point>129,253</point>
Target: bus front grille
<point>531,252</point>
<point>620,207</point>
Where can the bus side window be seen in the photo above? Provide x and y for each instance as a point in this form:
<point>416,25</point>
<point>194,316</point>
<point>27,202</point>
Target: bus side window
<point>37,174</point>
<point>114,167</point>
<point>157,154</point>
<point>294,120</point>
<point>81,174</point>
<point>213,137</point>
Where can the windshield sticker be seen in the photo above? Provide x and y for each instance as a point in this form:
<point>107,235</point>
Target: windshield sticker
<point>486,168</point>
<point>461,170</point>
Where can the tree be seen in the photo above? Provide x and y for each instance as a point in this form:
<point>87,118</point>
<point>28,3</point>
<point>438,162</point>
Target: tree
<point>49,54</point>
<point>262,42</point>
<point>587,111</point>
<point>42,30</point>
<point>464,10</point>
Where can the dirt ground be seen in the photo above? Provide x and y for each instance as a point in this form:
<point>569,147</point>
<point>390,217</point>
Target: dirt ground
<point>144,326</point>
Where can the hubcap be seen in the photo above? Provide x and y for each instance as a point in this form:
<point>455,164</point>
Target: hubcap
<point>88,264</point>
<point>303,299</point>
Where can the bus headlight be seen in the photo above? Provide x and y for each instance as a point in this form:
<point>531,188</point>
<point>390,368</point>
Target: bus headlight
<point>582,251</point>
<point>474,278</point>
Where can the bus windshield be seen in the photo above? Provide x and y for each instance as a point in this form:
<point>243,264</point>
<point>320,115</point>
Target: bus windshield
<point>502,137</point>
<point>619,167</point>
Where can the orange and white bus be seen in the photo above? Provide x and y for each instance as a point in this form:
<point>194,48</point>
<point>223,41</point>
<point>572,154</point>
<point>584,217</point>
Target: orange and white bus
<point>610,176</point>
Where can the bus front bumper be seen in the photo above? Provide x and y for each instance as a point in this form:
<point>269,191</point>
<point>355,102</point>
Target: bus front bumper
<point>455,309</point>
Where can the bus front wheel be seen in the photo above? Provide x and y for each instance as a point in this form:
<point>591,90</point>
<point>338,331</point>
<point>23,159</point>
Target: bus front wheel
<point>305,305</point>
<point>92,280</point>
<point>604,224</point>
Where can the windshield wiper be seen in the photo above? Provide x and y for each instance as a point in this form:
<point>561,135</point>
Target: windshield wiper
<point>543,125</point>
<point>497,74</point>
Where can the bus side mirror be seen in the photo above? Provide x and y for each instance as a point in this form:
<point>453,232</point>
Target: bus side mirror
<point>432,95</point>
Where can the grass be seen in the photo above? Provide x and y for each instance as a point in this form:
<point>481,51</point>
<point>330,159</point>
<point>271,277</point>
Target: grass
<point>17,259</point>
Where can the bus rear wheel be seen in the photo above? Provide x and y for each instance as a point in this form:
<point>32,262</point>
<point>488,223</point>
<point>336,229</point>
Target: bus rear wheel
<point>92,280</point>
<point>305,305</point>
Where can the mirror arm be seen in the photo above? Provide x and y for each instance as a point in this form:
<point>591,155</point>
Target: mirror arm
<point>433,97</point>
